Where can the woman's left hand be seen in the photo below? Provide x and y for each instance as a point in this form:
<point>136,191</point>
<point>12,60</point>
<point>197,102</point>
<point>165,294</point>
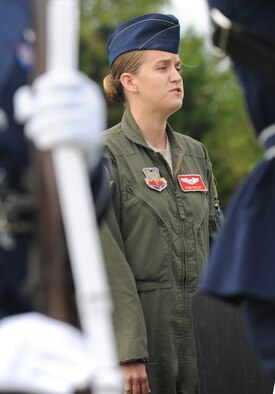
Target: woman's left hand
<point>135,378</point>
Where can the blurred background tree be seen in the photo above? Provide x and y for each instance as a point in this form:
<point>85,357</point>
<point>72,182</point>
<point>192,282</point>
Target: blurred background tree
<point>213,110</point>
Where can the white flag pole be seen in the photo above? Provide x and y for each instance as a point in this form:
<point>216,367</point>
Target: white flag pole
<point>77,208</point>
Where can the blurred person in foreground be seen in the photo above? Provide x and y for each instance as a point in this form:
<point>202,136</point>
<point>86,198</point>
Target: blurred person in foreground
<point>242,261</point>
<point>70,103</point>
<point>62,363</point>
<point>164,210</point>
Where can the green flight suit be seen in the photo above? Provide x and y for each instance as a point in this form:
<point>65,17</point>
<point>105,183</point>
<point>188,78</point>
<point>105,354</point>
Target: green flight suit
<point>155,245</point>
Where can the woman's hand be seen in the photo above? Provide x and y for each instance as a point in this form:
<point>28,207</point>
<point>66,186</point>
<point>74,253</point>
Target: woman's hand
<point>135,378</point>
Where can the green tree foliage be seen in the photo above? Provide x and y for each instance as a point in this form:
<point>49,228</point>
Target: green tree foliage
<point>213,110</point>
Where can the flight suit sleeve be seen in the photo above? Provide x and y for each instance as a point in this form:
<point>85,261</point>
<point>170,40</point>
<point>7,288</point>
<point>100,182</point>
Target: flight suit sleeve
<point>215,212</point>
<point>128,319</point>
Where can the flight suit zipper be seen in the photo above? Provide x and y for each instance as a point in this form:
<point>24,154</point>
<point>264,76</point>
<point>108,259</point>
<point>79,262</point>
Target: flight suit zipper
<point>180,351</point>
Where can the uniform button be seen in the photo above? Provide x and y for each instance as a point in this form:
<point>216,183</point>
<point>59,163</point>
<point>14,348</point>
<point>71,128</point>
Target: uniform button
<point>29,35</point>
<point>4,121</point>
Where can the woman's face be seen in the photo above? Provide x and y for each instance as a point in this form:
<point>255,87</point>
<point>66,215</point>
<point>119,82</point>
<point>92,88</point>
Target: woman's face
<point>159,83</point>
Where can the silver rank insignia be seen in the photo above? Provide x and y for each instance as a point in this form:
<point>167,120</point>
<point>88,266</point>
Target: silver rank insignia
<point>153,179</point>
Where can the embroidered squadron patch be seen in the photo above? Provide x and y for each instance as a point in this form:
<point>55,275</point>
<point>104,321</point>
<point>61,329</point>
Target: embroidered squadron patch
<point>153,179</point>
<point>191,183</point>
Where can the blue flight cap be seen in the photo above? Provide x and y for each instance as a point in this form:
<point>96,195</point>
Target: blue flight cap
<point>146,32</point>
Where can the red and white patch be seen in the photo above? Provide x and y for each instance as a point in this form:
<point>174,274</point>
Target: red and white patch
<point>191,183</point>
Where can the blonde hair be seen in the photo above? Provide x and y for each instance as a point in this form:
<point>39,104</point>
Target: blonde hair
<point>128,62</point>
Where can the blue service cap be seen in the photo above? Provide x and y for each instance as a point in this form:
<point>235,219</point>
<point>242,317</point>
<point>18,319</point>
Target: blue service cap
<point>151,31</point>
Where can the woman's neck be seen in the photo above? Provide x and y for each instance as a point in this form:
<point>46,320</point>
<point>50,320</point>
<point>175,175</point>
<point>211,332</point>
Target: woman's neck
<point>153,129</point>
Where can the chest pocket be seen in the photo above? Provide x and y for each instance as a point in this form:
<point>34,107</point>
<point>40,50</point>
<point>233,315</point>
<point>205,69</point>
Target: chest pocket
<point>148,202</point>
<point>195,206</point>
<point>146,233</point>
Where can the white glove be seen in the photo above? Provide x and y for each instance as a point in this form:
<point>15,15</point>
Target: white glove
<point>63,108</point>
<point>42,355</point>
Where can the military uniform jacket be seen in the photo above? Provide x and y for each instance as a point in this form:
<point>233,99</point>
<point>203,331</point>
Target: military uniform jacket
<point>155,244</point>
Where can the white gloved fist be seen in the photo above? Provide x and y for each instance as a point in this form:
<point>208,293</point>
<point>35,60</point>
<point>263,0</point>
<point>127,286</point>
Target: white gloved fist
<point>62,108</point>
<point>42,355</point>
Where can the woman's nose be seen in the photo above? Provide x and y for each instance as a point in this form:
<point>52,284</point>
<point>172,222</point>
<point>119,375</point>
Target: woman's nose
<point>175,75</point>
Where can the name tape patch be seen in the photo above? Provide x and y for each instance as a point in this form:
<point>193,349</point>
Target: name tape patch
<point>191,183</point>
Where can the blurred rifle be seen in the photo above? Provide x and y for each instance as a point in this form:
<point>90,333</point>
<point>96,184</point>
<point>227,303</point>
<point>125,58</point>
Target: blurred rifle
<point>57,290</point>
<point>92,294</point>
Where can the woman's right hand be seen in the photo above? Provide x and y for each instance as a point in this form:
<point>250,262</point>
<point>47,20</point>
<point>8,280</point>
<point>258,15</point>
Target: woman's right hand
<point>135,378</point>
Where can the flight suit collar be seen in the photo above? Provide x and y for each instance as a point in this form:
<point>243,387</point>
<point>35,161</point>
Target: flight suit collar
<point>132,132</point>
<point>131,129</point>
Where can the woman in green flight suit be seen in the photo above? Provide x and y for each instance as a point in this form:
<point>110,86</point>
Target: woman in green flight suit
<point>164,210</point>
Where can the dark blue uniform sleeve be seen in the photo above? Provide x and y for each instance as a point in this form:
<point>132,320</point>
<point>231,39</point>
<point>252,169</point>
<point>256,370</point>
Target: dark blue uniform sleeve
<point>16,60</point>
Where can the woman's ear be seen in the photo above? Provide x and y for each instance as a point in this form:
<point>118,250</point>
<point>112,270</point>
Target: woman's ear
<point>128,82</point>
